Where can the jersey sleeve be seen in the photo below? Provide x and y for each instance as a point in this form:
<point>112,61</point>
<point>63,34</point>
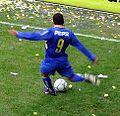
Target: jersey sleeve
<point>35,36</point>
<point>77,44</point>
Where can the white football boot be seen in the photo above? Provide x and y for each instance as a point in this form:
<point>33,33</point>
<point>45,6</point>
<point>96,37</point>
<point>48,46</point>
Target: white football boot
<point>92,79</point>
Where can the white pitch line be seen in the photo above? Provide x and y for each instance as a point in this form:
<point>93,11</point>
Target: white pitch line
<point>97,37</point>
<point>20,25</point>
<point>78,34</point>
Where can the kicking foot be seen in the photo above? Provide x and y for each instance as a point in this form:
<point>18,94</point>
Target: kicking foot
<point>92,79</point>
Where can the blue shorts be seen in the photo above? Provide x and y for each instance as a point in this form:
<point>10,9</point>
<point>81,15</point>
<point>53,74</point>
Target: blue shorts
<point>51,65</point>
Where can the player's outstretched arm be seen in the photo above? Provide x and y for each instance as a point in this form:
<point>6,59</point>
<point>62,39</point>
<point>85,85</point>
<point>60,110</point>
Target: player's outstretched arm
<point>25,35</point>
<point>77,44</point>
<point>34,36</point>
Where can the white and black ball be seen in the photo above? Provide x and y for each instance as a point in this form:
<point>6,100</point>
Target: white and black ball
<point>60,85</point>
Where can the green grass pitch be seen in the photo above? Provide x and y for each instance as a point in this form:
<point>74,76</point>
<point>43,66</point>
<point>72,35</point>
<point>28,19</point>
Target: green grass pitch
<point>21,95</point>
<point>103,5</point>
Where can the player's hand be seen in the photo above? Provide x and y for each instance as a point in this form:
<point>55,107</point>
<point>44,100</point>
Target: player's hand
<point>13,32</point>
<point>96,61</point>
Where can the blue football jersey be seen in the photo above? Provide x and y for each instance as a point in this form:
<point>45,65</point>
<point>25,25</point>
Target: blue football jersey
<point>56,41</point>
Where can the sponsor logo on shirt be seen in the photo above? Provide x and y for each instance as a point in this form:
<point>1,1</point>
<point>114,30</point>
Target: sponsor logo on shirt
<point>61,33</point>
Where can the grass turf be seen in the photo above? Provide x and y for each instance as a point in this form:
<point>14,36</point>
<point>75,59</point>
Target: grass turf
<point>22,95</point>
<point>103,5</point>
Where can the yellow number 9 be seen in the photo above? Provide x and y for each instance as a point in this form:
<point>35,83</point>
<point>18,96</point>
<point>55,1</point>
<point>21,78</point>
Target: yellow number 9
<point>59,45</point>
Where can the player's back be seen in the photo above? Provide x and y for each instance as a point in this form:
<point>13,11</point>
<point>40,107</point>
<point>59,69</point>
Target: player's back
<point>57,44</point>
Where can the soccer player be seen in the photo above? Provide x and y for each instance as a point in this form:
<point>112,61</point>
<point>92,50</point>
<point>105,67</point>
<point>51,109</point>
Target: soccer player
<point>57,39</point>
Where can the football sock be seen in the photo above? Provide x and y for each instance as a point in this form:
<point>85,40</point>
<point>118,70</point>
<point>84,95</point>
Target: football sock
<point>78,78</point>
<point>48,83</point>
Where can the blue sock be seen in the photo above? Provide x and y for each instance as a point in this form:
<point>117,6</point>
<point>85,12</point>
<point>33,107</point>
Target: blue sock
<point>48,83</point>
<point>78,78</point>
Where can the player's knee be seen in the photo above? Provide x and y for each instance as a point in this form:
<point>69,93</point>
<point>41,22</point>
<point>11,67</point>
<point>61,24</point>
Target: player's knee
<point>45,75</point>
<point>70,79</point>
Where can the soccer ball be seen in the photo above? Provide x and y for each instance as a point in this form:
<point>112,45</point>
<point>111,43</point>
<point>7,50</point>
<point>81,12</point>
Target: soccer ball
<point>60,85</point>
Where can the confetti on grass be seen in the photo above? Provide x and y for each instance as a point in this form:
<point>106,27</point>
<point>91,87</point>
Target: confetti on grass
<point>93,115</point>
<point>106,95</point>
<point>37,55</point>
<point>70,86</point>
<point>41,12</point>
<point>102,76</point>
<point>89,66</point>
<point>34,113</point>
<point>13,73</point>
<point>113,87</point>
<point>80,89</point>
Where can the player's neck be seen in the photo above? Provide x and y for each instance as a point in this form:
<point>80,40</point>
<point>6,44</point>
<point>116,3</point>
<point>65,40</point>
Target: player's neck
<point>59,26</point>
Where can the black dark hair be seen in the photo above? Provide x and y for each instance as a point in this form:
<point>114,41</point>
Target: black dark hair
<point>58,19</point>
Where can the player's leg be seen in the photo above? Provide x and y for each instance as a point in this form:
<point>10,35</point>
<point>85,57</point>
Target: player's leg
<point>48,87</point>
<point>46,70</point>
<point>92,79</point>
<point>68,72</point>
<point>79,78</point>
<point>76,78</point>
<point>86,77</point>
